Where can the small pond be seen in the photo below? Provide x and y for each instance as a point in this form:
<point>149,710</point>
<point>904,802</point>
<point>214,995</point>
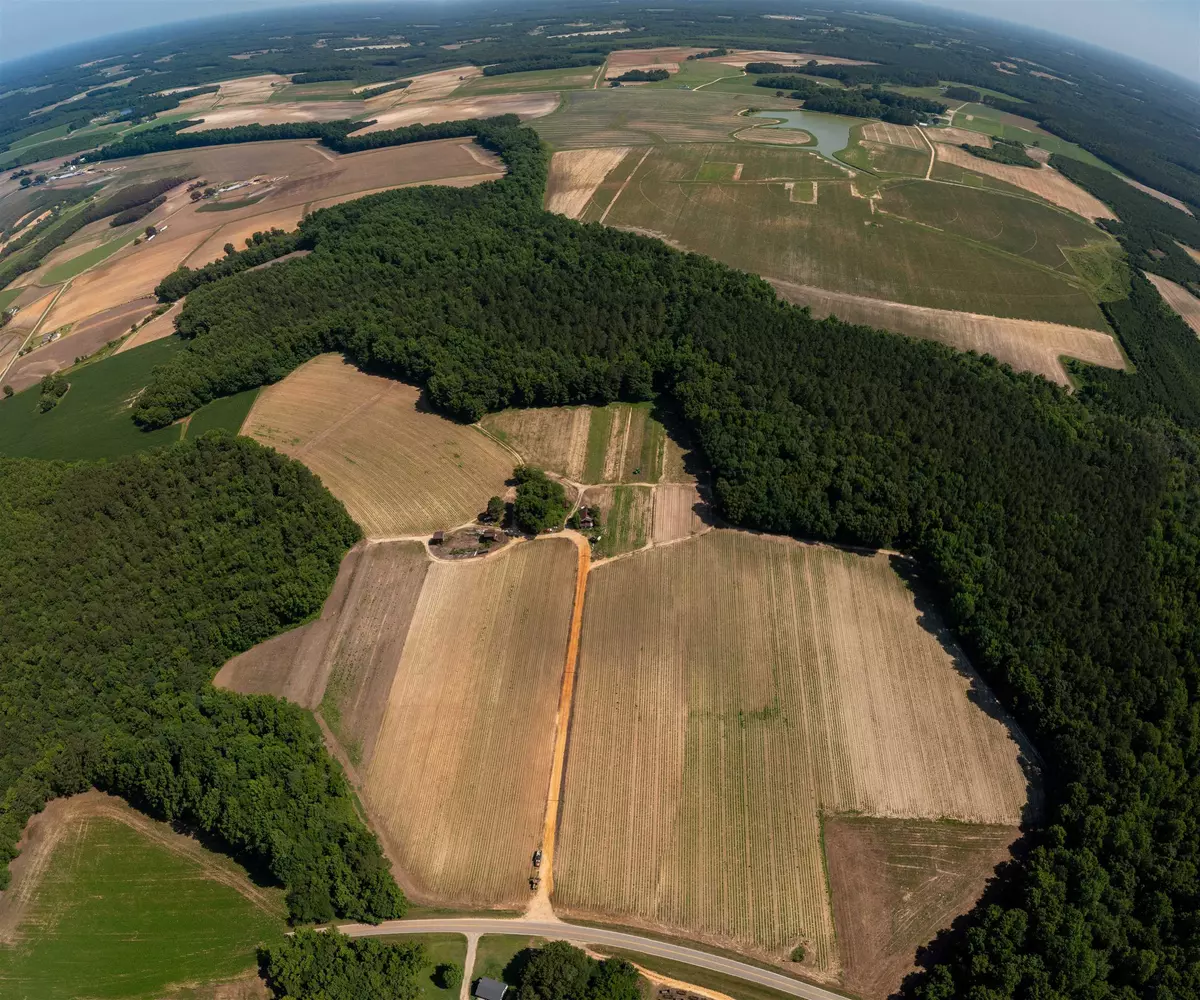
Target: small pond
<point>832,132</point>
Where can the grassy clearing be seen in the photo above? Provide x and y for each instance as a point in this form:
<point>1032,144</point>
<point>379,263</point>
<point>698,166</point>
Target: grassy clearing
<point>229,206</point>
<point>731,986</point>
<point>982,118</point>
<point>760,227</point>
<point>8,296</point>
<point>625,518</point>
<point>442,949</point>
<point>120,916</point>
<point>495,952</point>
<point>226,413</point>
<point>77,265</point>
<point>93,418</point>
<point>599,431</point>
<point>1103,267</point>
<point>38,137</point>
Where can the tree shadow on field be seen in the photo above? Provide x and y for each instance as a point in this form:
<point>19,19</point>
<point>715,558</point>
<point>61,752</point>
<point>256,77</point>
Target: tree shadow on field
<point>695,462</point>
<point>978,692</point>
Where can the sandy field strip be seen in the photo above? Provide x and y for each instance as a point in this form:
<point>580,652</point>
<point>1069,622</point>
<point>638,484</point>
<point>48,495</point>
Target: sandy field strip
<point>905,136</point>
<point>667,57</point>
<point>1027,345</point>
<point>158,328</point>
<point>1190,251</point>
<point>484,106</point>
<point>457,782</point>
<point>236,233</point>
<point>957,136</point>
<point>1178,298</point>
<point>432,86</point>
<point>576,174</point>
<point>1045,182</point>
<point>739,58</point>
<point>1157,194</point>
<point>552,437</point>
<point>276,113</point>
<point>896,883</point>
<point>250,89</point>
<point>730,688</point>
<point>676,512</point>
<point>398,469</point>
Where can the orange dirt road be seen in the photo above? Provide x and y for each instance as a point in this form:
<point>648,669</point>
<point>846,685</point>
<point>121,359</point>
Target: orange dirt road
<point>563,720</point>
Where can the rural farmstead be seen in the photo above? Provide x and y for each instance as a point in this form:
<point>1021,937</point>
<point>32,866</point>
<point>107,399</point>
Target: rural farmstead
<point>605,502</point>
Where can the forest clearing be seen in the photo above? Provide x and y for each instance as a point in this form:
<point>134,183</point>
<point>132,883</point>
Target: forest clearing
<point>458,778</point>
<point>398,468</point>
<point>717,673</point>
<point>1027,345</point>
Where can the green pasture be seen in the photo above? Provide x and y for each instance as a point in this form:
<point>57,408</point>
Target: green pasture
<point>840,244</point>
<point>1021,226</point>
<point>93,419</point>
<point>119,916</point>
<point>44,136</point>
<point>569,78</point>
<point>624,530</point>
<point>1002,125</point>
<point>899,161</point>
<point>8,296</point>
<point>494,952</point>
<point>77,265</point>
<point>442,949</point>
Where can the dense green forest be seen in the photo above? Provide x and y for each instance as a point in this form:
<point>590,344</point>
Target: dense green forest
<point>125,587</point>
<point>1003,151</point>
<point>1061,535</point>
<point>330,966</point>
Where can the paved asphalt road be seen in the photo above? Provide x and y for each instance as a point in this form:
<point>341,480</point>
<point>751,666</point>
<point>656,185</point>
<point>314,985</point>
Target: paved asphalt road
<point>595,936</point>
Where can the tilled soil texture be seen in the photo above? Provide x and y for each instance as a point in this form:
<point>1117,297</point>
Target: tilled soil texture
<point>1179,299</point>
<point>1027,345</point>
<point>554,438</point>
<point>399,469</point>
<point>730,689</point>
<point>576,174</point>
<point>1043,181</point>
<point>896,883</point>
<point>447,110</point>
<point>458,779</point>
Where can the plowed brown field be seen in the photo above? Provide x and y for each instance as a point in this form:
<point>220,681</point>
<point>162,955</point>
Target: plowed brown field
<point>458,778</point>
<point>732,687</point>
<point>399,470</point>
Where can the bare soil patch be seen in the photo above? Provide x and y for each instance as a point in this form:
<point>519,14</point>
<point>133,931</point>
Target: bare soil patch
<point>739,58</point>
<point>668,58</point>
<point>158,328</point>
<point>960,135</point>
<point>1190,251</point>
<point>431,86</point>
<point>250,89</point>
<point>677,512</point>
<point>731,688</point>
<point>1179,299</point>
<point>896,883</point>
<point>484,106</point>
<point>1045,182</point>
<point>276,113</point>
<point>576,174</point>
<point>399,469</point>
<point>1027,345</point>
<point>458,779</point>
<point>775,136</point>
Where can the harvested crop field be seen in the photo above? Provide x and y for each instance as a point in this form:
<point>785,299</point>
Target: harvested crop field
<point>772,226</point>
<point>484,106</point>
<point>678,510</point>
<point>440,83</point>
<point>275,113</point>
<point>398,469</point>
<point>1178,298</point>
<point>236,233</point>
<point>576,174</point>
<point>552,437</point>
<point>732,687</point>
<point>1175,202</point>
<point>906,136</point>
<point>896,883</point>
<point>1027,345</point>
<point>158,328</point>
<point>957,136</point>
<point>458,779</point>
<point>739,58</point>
<point>668,58</point>
<point>1045,181</point>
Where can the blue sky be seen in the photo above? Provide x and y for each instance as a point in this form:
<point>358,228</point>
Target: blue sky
<point>1165,33</point>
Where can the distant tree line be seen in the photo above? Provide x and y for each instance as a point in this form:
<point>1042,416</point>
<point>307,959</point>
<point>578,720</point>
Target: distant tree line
<point>1003,151</point>
<point>1061,533</point>
<point>643,76</point>
<point>887,105</point>
<point>535,63</point>
<point>962,94</point>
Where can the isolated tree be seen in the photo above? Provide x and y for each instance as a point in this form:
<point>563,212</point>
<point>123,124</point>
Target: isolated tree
<point>8,391</point>
<point>495,509</point>
<point>449,975</point>
<point>151,231</point>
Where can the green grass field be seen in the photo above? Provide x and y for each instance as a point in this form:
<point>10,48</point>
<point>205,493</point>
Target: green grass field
<point>76,265</point>
<point>840,244</point>
<point>43,136</point>
<point>442,949</point>
<point>597,443</point>
<point>119,916</point>
<point>495,951</point>
<point>625,527</point>
<point>570,78</point>
<point>1002,125</point>
<point>1019,226</point>
<point>93,419</point>
<point>8,296</point>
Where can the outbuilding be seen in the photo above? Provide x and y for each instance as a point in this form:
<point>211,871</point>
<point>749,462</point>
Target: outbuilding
<point>490,989</point>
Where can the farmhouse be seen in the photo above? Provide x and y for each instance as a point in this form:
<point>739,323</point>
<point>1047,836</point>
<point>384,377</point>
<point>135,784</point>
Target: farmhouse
<point>490,989</point>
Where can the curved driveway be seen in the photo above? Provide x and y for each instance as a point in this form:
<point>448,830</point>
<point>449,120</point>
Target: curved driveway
<point>577,934</point>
